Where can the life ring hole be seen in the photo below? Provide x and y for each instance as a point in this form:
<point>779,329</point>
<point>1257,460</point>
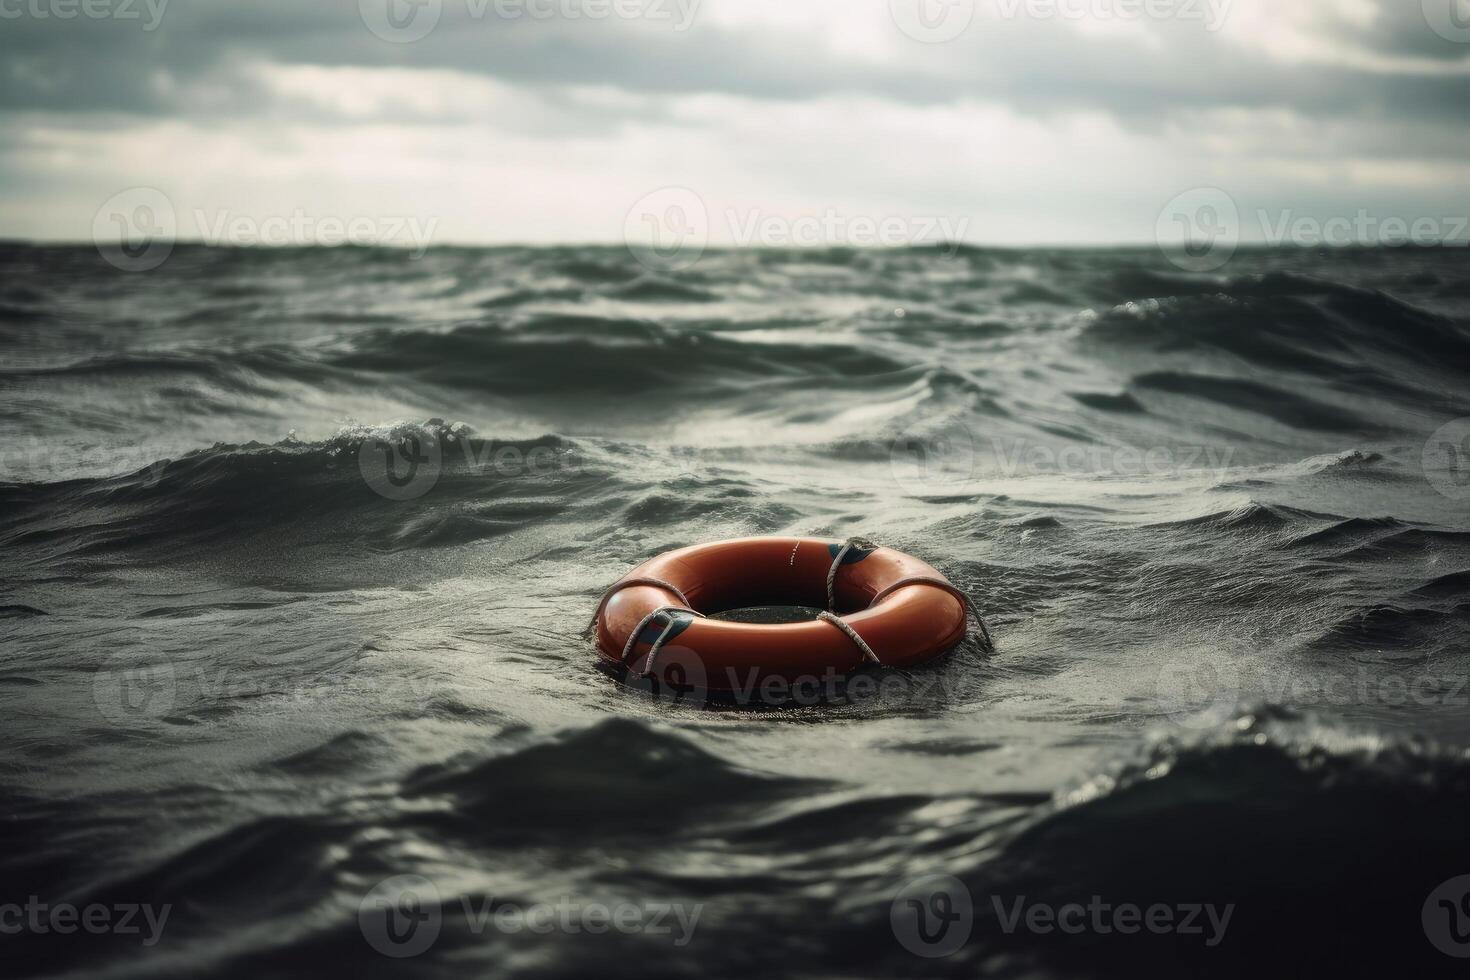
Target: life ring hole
<point>768,615</point>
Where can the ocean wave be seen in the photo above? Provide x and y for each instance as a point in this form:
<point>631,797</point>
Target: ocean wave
<point>1381,626</point>
<point>319,490</point>
<point>1270,796</point>
<point>1287,321</point>
<point>1253,515</point>
<point>1217,818</point>
<point>1351,531</point>
<point>646,782</point>
<point>1258,397</point>
<point>239,371</point>
<point>1453,585</point>
<point>575,356</point>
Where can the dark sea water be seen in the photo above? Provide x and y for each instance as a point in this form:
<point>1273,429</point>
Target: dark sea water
<point>1219,525</point>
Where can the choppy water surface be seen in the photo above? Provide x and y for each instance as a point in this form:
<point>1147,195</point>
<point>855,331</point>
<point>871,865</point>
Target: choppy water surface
<point>248,676</point>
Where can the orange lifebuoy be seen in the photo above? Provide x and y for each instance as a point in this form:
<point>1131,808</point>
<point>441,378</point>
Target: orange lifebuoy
<point>883,607</point>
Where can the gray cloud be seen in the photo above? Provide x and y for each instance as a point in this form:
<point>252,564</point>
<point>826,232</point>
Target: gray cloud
<point>1039,66</point>
<point>299,104</point>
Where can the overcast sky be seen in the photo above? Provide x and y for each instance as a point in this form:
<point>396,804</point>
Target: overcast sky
<point>1000,121</point>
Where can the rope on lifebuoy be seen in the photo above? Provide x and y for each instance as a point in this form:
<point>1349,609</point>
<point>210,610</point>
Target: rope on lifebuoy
<point>862,544</point>
<point>665,611</point>
<point>852,635</point>
<point>987,644</point>
<point>616,587</point>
